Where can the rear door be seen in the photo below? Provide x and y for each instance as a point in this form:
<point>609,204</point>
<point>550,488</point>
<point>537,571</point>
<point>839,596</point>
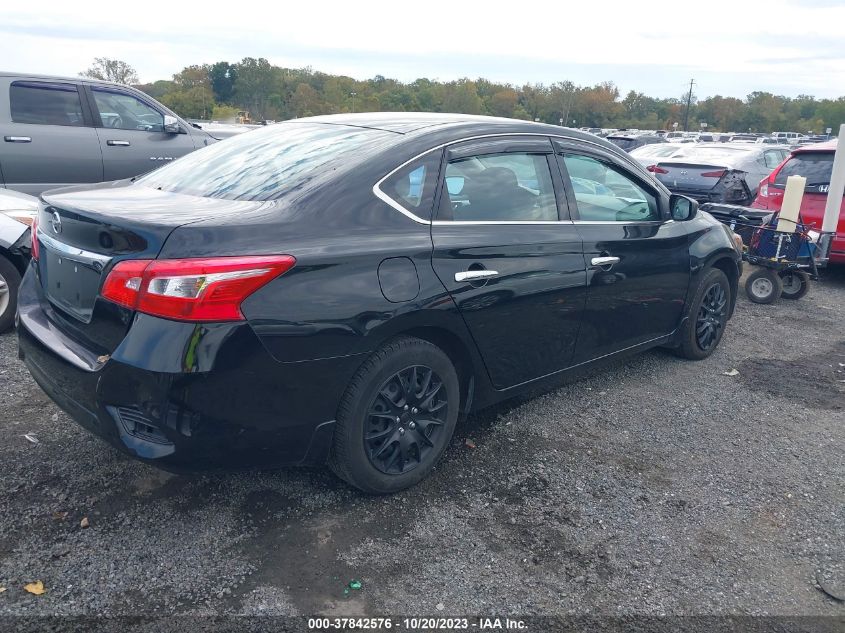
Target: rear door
<point>637,259</point>
<point>131,133</point>
<point>508,254</point>
<point>48,136</point>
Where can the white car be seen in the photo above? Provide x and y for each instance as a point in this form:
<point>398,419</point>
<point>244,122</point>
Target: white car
<point>17,212</point>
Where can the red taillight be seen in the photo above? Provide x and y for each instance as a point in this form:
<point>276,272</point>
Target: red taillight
<point>713,174</point>
<point>657,169</point>
<point>763,188</point>
<point>33,236</point>
<point>208,289</point>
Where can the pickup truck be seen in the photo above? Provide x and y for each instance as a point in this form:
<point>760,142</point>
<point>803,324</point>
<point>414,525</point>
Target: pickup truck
<point>59,131</point>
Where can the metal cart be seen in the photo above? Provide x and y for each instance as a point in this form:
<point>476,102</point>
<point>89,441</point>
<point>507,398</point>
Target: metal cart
<point>786,262</point>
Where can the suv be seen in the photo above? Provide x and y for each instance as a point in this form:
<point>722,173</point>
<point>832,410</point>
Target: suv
<point>815,163</point>
<point>66,131</point>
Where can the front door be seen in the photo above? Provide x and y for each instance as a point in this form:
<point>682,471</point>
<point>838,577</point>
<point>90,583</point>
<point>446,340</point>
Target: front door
<point>132,135</point>
<point>506,251</point>
<point>637,258</point>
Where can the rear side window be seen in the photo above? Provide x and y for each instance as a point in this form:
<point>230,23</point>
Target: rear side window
<point>815,167</point>
<point>413,185</point>
<point>510,187</point>
<point>45,104</point>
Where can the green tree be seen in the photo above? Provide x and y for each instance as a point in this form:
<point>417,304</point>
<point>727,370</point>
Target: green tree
<point>222,76</point>
<point>114,70</point>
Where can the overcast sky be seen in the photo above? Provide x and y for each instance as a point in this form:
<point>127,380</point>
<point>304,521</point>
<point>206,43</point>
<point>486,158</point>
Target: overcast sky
<point>730,47</point>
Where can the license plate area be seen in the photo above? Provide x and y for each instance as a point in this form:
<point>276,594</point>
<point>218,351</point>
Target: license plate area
<point>70,284</point>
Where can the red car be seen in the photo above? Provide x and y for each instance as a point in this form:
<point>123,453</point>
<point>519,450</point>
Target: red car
<point>815,163</point>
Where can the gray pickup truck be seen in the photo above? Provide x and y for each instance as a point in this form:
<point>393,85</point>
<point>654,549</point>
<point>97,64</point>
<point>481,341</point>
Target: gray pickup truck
<point>65,131</point>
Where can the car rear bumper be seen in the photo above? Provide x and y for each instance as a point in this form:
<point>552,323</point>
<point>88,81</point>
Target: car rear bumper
<point>228,403</point>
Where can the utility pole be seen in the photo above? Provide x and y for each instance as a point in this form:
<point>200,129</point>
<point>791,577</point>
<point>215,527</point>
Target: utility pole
<point>689,101</point>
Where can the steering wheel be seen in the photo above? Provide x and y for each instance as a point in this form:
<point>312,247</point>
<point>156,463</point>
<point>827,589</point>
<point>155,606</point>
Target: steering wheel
<point>116,122</point>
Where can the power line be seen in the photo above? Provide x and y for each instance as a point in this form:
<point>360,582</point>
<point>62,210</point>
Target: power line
<point>689,101</point>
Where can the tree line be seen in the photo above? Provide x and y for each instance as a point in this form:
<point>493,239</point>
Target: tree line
<point>218,91</point>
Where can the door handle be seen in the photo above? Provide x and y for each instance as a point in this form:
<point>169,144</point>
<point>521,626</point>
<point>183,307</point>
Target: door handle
<point>118,143</point>
<point>604,261</point>
<point>18,139</point>
<point>473,275</point>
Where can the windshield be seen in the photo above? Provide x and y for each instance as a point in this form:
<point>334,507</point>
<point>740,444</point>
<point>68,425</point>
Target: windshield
<point>268,162</point>
<point>816,167</point>
<point>622,141</point>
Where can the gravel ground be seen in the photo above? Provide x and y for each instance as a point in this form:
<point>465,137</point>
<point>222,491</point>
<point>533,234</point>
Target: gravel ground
<point>656,486</point>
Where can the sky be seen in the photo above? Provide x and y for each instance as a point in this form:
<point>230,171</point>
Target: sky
<point>731,48</point>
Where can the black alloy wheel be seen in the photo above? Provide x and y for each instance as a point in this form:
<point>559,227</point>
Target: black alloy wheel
<point>397,416</point>
<point>712,316</point>
<point>405,420</point>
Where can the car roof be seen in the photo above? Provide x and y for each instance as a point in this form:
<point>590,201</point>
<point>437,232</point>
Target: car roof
<point>827,146</point>
<point>38,77</point>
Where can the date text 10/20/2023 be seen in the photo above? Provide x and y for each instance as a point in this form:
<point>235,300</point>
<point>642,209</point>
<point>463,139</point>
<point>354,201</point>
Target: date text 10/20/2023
<point>417,624</point>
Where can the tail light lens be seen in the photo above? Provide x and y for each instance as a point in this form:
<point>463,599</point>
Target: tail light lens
<point>33,236</point>
<point>763,190</point>
<point>209,289</point>
<point>657,169</point>
<point>713,174</point>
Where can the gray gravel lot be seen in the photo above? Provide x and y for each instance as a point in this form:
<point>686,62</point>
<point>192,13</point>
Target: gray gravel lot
<point>655,486</point>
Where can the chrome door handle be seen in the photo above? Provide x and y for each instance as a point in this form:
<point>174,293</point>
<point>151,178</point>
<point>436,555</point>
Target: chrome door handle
<point>118,143</point>
<point>18,139</point>
<point>604,261</point>
<point>473,275</point>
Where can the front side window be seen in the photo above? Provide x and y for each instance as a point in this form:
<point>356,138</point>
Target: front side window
<point>603,193</point>
<point>125,112</point>
<point>45,104</point>
<point>510,187</point>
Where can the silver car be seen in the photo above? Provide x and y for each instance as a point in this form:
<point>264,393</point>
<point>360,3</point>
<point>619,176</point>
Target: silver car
<point>719,172</point>
<point>17,212</point>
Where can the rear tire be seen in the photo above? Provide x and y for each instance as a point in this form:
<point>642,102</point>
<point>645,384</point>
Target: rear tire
<point>10,281</point>
<point>396,418</point>
<point>796,284</point>
<point>764,285</point>
<point>706,316</point>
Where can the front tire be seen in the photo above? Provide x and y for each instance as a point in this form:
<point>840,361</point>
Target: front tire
<point>396,418</point>
<point>10,281</point>
<point>706,316</point>
<point>763,286</point>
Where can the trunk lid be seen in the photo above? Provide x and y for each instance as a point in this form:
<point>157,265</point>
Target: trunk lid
<point>83,232</point>
<point>690,176</point>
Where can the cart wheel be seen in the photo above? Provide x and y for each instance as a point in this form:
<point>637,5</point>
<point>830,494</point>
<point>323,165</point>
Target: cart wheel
<point>763,286</point>
<point>796,283</point>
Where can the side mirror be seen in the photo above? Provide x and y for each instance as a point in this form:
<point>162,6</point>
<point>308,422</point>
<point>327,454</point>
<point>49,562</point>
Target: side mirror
<point>682,208</point>
<point>171,125</point>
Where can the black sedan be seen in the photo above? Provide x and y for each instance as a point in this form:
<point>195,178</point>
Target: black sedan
<point>346,288</point>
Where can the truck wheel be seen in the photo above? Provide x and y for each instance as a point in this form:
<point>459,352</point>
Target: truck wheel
<point>796,284</point>
<point>763,286</point>
<point>10,281</point>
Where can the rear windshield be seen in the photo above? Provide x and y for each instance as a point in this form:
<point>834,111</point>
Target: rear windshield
<point>815,167</point>
<point>268,163</point>
<point>657,149</point>
<point>711,153</point>
<point>622,142</point>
